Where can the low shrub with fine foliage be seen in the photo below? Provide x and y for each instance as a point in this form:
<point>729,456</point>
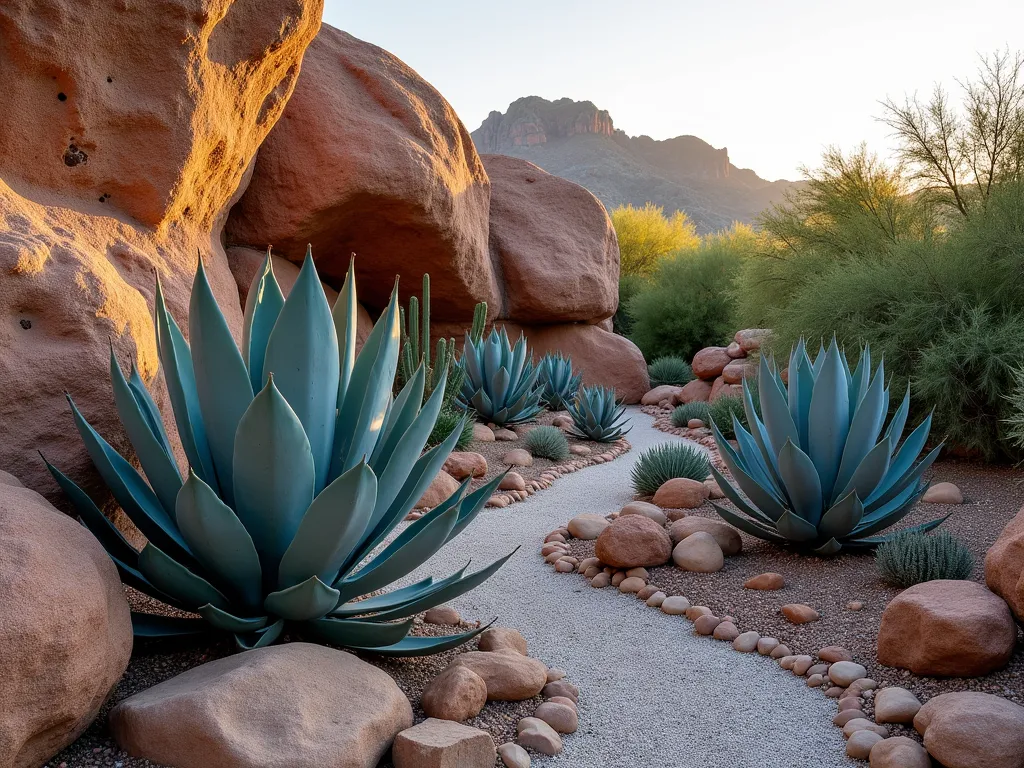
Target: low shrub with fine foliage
<point>448,419</point>
<point>670,370</point>
<point>663,462</point>
<point>547,443</point>
<point>721,412</point>
<point>911,558</point>
<point>682,414</point>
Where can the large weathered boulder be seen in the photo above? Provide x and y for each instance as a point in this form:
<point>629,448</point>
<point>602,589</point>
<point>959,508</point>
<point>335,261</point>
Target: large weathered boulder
<point>369,158</point>
<point>288,706</point>
<point>1004,565</point>
<point>633,541</point>
<point>136,127</point>
<point>709,362</point>
<point>555,245</point>
<point>65,628</point>
<point>968,729</point>
<point>946,627</point>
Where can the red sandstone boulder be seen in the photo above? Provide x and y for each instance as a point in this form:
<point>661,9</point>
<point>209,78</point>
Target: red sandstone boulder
<point>696,391</point>
<point>946,628</point>
<point>136,127</point>
<point>65,628</point>
<point>751,339</point>
<point>633,541</point>
<point>680,493</point>
<point>710,362</point>
<point>440,488</point>
<point>968,729</point>
<point>1004,565</point>
<point>369,158</point>
<point>721,389</point>
<point>555,243</point>
<point>659,393</point>
<point>738,370</point>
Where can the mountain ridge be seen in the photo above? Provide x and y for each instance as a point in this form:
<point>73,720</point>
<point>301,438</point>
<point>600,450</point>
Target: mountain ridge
<point>579,142</point>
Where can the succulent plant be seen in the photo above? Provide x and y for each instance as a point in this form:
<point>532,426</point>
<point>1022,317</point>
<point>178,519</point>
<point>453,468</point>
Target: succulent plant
<point>597,415</point>
<point>500,380</point>
<point>416,350</point>
<point>912,557</point>
<point>547,442</point>
<point>682,414</point>
<point>657,465</point>
<point>301,465</point>
<point>818,472</point>
<point>670,370</point>
<point>560,383</point>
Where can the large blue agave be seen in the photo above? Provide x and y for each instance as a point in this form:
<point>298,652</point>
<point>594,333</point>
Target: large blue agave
<point>301,465</point>
<point>501,382</point>
<point>814,472</point>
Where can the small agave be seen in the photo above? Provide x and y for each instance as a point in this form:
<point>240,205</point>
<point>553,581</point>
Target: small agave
<point>818,471</point>
<point>301,466</point>
<point>501,381</point>
<point>560,382</point>
<point>597,415</point>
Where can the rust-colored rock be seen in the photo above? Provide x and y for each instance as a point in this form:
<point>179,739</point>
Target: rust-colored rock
<point>710,362</point>
<point>65,628</point>
<point>659,393</point>
<point>696,391</point>
<point>457,693</point>
<point>680,493</point>
<point>720,388</point>
<point>798,613</point>
<point>728,538</point>
<point>136,126</point>
<point>440,488</point>
<point>633,541</point>
<point>463,464</point>
<point>502,638</point>
<point>438,743</point>
<point>969,729</point>
<point>738,370</point>
<point>751,339</point>
<point>509,675</point>
<point>768,582</point>
<point>1004,565</point>
<point>555,245</point>
<point>369,158</point>
<point>286,706</point>
<point>946,628</point>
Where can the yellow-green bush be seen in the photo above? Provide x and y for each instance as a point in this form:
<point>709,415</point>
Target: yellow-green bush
<point>646,235</point>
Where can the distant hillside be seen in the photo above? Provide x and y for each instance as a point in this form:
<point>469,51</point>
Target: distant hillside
<point>579,142</point>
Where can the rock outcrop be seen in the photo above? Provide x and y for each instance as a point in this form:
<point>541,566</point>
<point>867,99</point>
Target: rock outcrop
<point>1004,565</point>
<point>65,628</point>
<point>136,129</point>
<point>532,121</point>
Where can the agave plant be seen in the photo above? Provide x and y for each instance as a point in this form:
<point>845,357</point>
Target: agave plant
<point>560,383</point>
<point>596,415</point>
<point>818,471</point>
<point>301,465</point>
<point>500,381</point>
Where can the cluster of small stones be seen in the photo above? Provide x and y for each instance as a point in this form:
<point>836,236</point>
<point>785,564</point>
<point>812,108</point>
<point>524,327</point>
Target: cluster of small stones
<point>698,431</point>
<point>503,671</point>
<point>832,669</point>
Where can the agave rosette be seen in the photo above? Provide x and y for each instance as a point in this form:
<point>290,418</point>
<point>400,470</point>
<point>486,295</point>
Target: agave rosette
<point>560,383</point>
<point>302,464</point>
<point>500,381</point>
<point>818,471</point>
<point>597,415</point>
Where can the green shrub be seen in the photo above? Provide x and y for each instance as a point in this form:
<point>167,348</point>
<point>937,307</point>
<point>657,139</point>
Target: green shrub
<point>548,443</point>
<point>682,414</point>
<point>910,558</point>
<point>688,304</point>
<point>629,286</point>
<point>659,464</point>
<point>723,409</point>
<point>450,418</point>
<point>646,235</point>
<point>670,370</point>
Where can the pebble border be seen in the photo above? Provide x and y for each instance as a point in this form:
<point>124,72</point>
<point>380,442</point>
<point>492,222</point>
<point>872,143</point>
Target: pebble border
<point>846,683</point>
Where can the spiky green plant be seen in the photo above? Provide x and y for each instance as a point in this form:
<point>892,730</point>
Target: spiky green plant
<point>724,411</point>
<point>597,415</point>
<point>818,472</point>
<point>548,443</point>
<point>670,370</point>
<point>657,465</point>
<point>301,465</point>
<point>682,414</point>
<point>416,349</point>
<point>449,419</point>
<point>560,383</point>
<point>500,380</point>
<point>912,557</point>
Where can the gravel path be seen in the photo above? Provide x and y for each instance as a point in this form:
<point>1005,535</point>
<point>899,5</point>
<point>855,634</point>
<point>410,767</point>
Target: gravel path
<point>652,694</point>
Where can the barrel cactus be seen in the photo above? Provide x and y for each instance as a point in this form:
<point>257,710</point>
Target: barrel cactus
<point>301,464</point>
<point>817,471</point>
<point>500,381</point>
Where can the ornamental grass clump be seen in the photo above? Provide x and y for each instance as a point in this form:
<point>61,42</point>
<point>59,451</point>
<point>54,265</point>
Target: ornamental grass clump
<point>659,464</point>
<point>547,443</point>
<point>683,414</point>
<point>818,472</point>
<point>722,412</point>
<point>911,557</point>
<point>670,370</point>
<point>301,464</point>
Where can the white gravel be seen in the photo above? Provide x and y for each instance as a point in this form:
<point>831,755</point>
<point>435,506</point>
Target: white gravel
<point>652,694</point>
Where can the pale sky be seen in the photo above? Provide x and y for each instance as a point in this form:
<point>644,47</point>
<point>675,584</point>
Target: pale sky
<point>775,81</point>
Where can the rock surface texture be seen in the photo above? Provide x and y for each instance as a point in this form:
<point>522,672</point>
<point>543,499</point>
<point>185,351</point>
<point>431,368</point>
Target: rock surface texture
<point>65,629</point>
<point>969,729</point>
<point>287,706</point>
<point>1004,565</point>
